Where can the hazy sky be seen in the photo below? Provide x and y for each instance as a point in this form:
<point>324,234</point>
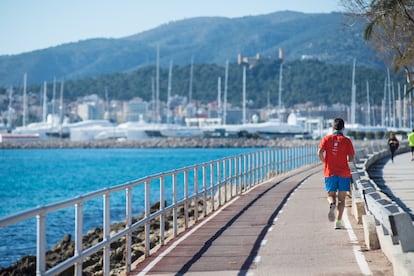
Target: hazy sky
<point>37,24</point>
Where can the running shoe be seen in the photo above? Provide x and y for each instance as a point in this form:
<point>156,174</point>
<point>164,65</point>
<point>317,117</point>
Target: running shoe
<point>338,224</point>
<point>331,214</point>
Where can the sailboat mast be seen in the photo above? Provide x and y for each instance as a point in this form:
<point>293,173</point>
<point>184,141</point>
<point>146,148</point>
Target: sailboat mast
<point>404,103</point>
<point>106,113</point>
<point>154,114</point>
<point>226,77</point>
<point>169,93</point>
<point>383,110</point>
<point>389,98</point>
<point>392,105</point>
<point>61,103</point>
<point>244,94</point>
<point>353,95</point>
<point>44,101</point>
<point>54,99</point>
<point>368,121</point>
<point>157,85</point>
<point>399,109</point>
<point>190,89</point>
<point>279,102</point>
<point>9,115</point>
<point>411,110</point>
<point>219,95</point>
<point>24,99</point>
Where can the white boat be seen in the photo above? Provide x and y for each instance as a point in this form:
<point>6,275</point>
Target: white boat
<point>88,130</point>
<point>181,131</point>
<point>47,130</point>
<point>268,129</point>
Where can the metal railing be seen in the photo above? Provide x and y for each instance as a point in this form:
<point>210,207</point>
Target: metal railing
<point>185,194</point>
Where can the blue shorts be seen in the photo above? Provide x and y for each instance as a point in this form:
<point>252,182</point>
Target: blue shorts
<point>337,183</point>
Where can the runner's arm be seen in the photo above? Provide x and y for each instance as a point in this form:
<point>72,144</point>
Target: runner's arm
<point>321,154</point>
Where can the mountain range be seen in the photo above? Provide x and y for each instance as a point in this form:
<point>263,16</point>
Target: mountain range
<point>329,37</point>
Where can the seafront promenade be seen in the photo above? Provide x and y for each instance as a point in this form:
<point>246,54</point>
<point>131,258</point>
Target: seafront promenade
<point>281,228</point>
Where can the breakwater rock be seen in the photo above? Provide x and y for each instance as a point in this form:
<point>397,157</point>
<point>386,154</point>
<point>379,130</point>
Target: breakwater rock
<point>161,143</point>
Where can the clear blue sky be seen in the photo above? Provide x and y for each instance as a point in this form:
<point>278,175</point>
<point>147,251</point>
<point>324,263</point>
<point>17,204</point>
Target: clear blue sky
<point>27,25</point>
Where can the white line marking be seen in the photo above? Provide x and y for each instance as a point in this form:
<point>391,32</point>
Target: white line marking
<point>362,263</point>
<point>177,242</point>
<point>263,243</point>
<point>257,259</point>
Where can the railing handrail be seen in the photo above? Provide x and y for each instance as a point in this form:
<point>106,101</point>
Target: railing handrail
<point>229,176</point>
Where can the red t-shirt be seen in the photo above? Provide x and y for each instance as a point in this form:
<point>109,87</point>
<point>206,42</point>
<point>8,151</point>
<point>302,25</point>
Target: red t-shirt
<point>337,148</point>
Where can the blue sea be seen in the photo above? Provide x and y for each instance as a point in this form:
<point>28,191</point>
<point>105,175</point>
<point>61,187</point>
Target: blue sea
<point>34,177</point>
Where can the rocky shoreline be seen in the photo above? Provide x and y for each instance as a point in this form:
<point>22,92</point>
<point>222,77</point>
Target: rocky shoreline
<point>161,143</point>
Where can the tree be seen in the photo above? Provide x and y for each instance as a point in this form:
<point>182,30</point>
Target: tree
<point>390,29</point>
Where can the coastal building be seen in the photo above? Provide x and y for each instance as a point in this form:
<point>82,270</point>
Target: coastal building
<point>135,110</point>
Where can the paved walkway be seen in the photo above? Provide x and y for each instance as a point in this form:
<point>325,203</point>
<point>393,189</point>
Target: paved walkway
<point>278,228</point>
<point>397,180</point>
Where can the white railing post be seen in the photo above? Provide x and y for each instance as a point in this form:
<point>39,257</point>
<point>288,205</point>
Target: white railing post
<point>196,196</point>
<point>128,222</point>
<point>232,175</point>
<point>162,207</point>
<point>204,170</point>
<point>225,179</point>
<point>248,170</point>
<point>186,218</point>
<point>253,165</point>
<point>41,244</point>
<point>147,214</point>
<point>174,203</point>
<point>297,157</point>
<point>239,173</point>
<point>78,236</point>
<point>106,234</point>
<point>212,186</point>
<point>218,177</point>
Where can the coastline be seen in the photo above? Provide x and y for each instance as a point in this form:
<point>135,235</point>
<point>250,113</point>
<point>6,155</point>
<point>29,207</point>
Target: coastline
<point>161,143</point>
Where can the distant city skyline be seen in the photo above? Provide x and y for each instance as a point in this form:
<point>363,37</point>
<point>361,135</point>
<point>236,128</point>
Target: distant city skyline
<point>33,25</point>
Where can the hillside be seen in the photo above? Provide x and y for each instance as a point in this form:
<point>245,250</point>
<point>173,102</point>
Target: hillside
<point>209,40</point>
<point>309,82</point>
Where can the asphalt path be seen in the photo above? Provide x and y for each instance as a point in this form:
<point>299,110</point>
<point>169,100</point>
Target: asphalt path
<point>396,179</point>
<point>278,228</point>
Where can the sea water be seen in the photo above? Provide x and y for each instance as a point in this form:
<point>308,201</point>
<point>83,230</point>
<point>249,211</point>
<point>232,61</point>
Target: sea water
<point>35,177</point>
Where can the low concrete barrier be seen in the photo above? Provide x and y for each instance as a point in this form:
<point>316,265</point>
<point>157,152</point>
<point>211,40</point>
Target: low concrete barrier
<point>386,225</point>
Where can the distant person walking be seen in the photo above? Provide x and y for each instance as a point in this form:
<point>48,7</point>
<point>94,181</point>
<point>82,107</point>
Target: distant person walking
<point>335,151</point>
<point>393,144</point>
<point>411,143</point>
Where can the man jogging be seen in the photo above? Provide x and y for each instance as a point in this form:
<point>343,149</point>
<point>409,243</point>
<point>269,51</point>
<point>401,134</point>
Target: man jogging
<point>411,143</point>
<point>335,151</point>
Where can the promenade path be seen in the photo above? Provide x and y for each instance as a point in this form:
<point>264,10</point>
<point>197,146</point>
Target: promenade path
<point>278,228</point>
<point>397,179</point>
